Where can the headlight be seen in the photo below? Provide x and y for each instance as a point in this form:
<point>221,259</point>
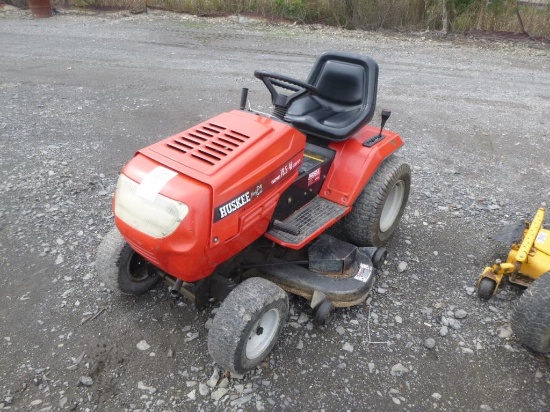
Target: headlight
<point>157,217</point>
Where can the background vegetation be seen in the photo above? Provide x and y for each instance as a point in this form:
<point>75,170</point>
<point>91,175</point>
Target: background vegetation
<point>531,16</point>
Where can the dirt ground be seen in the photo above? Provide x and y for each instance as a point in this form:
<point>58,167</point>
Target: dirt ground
<point>79,94</point>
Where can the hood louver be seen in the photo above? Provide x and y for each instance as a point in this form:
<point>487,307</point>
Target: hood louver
<point>209,143</point>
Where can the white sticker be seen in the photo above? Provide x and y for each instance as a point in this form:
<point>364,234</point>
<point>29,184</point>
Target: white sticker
<point>153,182</point>
<point>364,272</point>
<point>541,238</point>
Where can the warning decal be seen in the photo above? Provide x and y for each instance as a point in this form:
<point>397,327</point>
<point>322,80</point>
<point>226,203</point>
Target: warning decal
<point>364,273</point>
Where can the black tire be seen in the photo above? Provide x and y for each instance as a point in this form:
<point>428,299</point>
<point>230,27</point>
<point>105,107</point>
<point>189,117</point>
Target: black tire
<point>323,313</point>
<point>121,268</point>
<point>531,318</point>
<point>379,207</point>
<point>486,288</point>
<point>247,325</point>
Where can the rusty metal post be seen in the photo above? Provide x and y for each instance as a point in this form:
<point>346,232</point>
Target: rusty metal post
<point>40,9</point>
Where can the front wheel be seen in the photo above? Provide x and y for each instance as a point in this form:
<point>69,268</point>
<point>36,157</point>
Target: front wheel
<point>486,288</point>
<point>379,207</point>
<point>247,325</point>
<point>121,268</point>
<point>531,319</point>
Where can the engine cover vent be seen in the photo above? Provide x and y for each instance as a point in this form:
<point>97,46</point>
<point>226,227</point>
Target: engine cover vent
<point>208,143</point>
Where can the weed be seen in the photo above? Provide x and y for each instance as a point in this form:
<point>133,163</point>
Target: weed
<point>460,15</point>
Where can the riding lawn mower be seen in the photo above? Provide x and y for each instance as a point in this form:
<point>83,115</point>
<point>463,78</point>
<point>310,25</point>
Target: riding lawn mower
<point>237,209</point>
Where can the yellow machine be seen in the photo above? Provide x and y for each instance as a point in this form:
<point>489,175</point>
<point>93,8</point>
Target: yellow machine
<point>527,259</point>
<point>527,265</point>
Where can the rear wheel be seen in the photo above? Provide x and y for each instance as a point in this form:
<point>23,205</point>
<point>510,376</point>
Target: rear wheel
<point>121,268</point>
<point>531,319</point>
<point>247,325</point>
<point>379,207</point>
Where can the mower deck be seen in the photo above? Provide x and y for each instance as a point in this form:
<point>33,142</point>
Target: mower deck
<point>527,259</point>
<point>349,290</point>
<point>332,269</point>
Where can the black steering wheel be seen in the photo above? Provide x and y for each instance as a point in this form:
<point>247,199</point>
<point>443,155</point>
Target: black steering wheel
<point>299,88</point>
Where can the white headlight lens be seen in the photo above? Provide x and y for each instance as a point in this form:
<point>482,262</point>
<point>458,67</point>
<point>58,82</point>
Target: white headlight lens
<point>157,218</point>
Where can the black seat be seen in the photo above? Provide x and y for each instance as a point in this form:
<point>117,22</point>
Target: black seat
<point>346,101</point>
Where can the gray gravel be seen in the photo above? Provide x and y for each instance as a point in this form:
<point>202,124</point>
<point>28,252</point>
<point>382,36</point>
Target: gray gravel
<point>79,94</point>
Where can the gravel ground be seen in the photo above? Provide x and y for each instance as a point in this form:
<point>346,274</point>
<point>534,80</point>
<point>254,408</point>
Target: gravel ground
<point>79,93</point>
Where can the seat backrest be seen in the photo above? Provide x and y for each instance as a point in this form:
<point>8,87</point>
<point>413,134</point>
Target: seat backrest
<point>347,85</point>
<point>341,82</point>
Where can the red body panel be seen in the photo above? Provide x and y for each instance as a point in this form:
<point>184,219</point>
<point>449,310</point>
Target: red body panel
<point>354,164</point>
<point>232,170</point>
<point>351,169</point>
<point>184,252</point>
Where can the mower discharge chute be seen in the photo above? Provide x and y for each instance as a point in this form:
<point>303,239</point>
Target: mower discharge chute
<point>237,208</point>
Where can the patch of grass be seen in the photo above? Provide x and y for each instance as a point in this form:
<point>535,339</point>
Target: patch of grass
<point>462,15</point>
<point>501,15</point>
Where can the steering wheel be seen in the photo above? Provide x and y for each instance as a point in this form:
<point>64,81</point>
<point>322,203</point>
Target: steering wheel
<point>299,88</point>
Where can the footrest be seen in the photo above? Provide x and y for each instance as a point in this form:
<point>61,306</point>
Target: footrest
<point>307,222</point>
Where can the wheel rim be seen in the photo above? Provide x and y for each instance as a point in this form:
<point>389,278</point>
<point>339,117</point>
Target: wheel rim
<point>137,268</point>
<point>392,206</point>
<point>262,334</point>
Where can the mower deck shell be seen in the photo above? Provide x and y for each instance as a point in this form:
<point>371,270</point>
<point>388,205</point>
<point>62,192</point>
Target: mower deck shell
<point>342,292</point>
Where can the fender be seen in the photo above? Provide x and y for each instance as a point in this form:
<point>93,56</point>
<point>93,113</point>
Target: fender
<point>354,164</point>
